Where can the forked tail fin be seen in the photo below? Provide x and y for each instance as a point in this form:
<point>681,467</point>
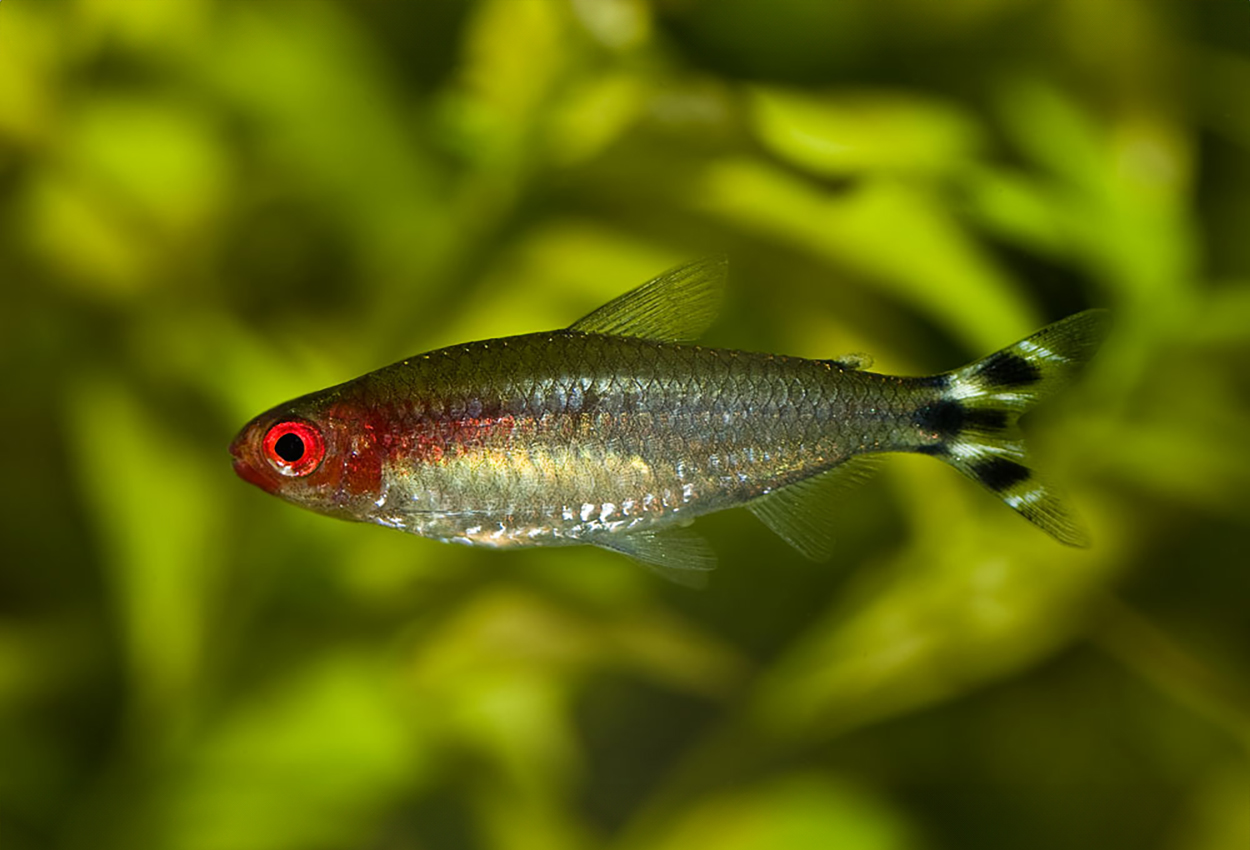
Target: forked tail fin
<point>984,401</point>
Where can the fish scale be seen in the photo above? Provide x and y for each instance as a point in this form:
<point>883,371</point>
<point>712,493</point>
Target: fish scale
<point>789,407</point>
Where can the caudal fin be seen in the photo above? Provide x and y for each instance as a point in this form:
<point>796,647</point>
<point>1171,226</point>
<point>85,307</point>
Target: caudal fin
<point>984,400</point>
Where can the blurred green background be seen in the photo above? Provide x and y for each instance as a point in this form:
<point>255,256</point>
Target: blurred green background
<point>208,207</point>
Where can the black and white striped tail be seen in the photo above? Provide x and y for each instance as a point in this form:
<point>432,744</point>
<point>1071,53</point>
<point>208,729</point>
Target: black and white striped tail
<point>981,405</point>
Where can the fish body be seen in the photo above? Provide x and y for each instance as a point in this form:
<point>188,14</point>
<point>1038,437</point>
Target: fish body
<point>615,432</point>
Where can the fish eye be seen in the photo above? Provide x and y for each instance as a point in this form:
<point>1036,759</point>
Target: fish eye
<point>294,447</point>
<point>289,447</point>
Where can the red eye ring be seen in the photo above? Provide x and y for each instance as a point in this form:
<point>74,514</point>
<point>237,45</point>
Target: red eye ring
<point>294,447</point>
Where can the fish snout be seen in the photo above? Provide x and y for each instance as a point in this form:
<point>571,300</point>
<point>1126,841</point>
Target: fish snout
<point>247,463</point>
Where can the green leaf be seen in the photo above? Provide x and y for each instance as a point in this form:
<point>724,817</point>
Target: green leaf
<point>158,518</point>
<point>866,131</point>
<point>903,238</point>
<point>309,758</point>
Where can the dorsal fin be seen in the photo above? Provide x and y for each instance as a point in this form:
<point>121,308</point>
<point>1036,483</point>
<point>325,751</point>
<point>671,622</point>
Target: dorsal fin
<point>677,306</point>
<point>802,513</point>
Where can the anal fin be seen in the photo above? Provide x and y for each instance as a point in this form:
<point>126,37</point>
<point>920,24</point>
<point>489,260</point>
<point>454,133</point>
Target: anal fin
<point>802,513</point>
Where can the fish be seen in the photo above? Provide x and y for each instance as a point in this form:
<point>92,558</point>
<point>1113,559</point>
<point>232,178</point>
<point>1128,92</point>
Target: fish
<point>618,430</point>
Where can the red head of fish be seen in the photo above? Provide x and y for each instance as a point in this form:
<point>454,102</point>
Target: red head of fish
<point>323,454</point>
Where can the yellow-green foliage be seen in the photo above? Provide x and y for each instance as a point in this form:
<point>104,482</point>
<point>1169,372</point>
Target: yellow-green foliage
<point>207,207</point>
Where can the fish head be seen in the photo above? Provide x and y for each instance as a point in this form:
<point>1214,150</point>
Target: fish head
<point>308,453</point>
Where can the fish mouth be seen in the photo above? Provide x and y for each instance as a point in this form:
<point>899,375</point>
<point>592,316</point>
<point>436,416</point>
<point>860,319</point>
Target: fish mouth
<point>250,474</point>
<point>244,461</point>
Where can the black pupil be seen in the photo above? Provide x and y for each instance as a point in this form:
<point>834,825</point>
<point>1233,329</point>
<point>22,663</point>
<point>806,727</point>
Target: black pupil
<point>289,447</point>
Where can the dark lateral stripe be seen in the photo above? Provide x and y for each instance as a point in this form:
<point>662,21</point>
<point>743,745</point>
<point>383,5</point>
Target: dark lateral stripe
<point>985,419</point>
<point>947,419</point>
<point>999,474</point>
<point>1005,369</point>
<point>944,419</point>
